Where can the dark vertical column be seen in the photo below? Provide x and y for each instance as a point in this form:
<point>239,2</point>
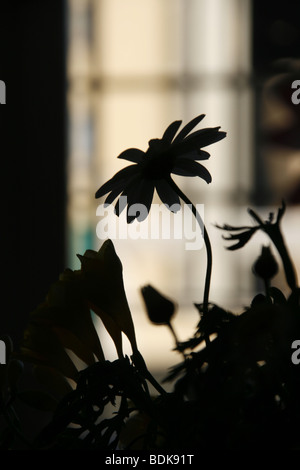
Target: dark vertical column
<point>275,36</point>
<point>32,156</point>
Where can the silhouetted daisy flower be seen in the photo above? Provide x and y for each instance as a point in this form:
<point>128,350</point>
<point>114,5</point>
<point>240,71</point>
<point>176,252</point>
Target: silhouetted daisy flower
<point>177,154</point>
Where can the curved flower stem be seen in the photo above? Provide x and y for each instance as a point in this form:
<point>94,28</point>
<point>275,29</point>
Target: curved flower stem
<point>289,268</point>
<point>207,245</point>
<point>139,362</point>
<point>170,326</point>
<point>173,333</point>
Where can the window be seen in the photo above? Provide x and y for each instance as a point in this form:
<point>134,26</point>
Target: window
<point>134,67</point>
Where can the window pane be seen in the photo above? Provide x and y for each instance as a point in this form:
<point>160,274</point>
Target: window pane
<point>136,38</point>
<point>140,66</point>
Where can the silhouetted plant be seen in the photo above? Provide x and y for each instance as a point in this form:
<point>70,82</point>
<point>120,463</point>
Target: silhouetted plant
<point>152,170</point>
<point>235,386</point>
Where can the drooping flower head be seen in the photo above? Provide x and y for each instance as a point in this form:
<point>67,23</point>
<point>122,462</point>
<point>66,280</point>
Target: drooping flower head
<point>177,154</point>
<point>265,266</point>
<point>159,308</point>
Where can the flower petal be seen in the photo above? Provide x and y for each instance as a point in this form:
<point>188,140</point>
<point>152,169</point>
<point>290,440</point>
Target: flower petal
<point>119,188</point>
<point>233,228</point>
<point>134,203</point>
<point>118,178</point>
<point>132,155</point>
<point>180,172</point>
<point>207,136</point>
<point>112,196</point>
<point>196,155</point>
<point>188,127</point>
<point>120,204</point>
<point>242,238</point>
<point>242,234</point>
<point>192,167</point>
<point>140,192</point>
<point>129,192</point>
<point>145,192</point>
<point>167,195</point>
<point>196,141</point>
<point>170,132</point>
<point>238,236</point>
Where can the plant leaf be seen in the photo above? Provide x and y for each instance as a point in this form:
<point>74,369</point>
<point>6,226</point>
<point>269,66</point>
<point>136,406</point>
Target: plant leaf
<point>53,380</point>
<point>67,308</point>
<point>102,278</point>
<point>41,346</point>
<point>38,399</point>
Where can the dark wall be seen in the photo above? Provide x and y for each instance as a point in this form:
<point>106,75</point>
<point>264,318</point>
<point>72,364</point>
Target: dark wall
<point>276,32</point>
<point>275,50</point>
<point>33,152</point>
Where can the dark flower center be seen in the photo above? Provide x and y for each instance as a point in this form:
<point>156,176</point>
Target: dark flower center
<point>157,163</point>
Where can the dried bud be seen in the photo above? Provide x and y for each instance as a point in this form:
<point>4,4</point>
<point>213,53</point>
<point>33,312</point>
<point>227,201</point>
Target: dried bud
<point>160,309</point>
<point>265,266</point>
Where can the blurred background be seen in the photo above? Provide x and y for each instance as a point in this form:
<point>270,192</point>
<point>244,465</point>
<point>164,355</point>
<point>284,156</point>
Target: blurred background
<point>87,79</point>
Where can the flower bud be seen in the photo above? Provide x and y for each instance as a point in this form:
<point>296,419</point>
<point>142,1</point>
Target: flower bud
<point>159,309</point>
<point>265,266</point>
